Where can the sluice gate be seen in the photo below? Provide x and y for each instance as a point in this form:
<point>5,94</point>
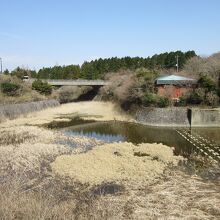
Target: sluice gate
<point>203,145</point>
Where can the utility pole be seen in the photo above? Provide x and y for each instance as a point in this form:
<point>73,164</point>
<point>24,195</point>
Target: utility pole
<point>1,64</point>
<point>177,63</point>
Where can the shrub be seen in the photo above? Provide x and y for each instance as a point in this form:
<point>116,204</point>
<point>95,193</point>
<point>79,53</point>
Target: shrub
<point>10,89</point>
<point>163,102</point>
<point>212,99</point>
<point>207,83</point>
<point>150,99</point>
<point>194,98</point>
<point>42,87</point>
<point>182,101</point>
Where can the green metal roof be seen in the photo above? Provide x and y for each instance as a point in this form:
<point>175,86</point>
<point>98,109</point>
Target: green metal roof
<point>174,80</point>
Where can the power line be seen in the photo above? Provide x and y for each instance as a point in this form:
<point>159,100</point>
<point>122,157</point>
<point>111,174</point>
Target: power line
<point>177,63</point>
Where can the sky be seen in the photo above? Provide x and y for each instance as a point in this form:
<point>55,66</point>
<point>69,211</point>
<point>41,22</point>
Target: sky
<point>37,33</point>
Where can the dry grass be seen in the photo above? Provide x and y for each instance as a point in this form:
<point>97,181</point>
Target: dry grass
<point>26,94</point>
<point>178,197</point>
<point>30,190</point>
<point>99,111</point>
<point>58,201</point>
<point>26,148</point>
<point>172,196</point>
<point>123,163</point>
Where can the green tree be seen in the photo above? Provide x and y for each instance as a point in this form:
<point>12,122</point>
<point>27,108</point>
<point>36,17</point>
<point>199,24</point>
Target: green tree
<point>20,72</point>
<point>6,72</point>
<point>207,83</point>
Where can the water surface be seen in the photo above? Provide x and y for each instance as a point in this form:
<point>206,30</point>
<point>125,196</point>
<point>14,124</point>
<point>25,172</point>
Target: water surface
<point>115,131</point>
<point>131,132</point>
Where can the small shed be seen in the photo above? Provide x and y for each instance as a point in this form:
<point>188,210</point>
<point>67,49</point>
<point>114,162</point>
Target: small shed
<point>174,86</point>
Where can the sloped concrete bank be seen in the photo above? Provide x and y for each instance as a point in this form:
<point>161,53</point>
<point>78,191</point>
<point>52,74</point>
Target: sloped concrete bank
<point>12,111</point>
<point>179,117</point>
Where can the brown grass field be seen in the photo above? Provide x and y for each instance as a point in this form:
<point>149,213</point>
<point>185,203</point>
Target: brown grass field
<point>47,175</point>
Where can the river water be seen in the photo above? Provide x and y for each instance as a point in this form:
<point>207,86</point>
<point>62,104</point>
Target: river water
<point>136,133</point>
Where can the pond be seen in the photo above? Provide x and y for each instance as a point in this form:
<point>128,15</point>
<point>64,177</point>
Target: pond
<point>115,131</point>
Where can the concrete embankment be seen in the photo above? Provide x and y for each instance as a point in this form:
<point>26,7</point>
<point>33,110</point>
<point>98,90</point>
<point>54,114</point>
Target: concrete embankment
<point>205,117</point>
<point>179,116</point>
<point>163,116</point>
<point>12,111</point>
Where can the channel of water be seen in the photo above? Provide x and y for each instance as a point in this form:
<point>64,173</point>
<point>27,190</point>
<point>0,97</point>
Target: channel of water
<point>184,141</point>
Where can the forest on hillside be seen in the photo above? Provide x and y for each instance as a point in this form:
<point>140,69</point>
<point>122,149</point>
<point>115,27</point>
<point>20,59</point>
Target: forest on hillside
<point>96,69</point>
<point>133,80</point>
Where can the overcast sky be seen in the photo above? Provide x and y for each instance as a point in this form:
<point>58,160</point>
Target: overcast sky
<point>37,33</point>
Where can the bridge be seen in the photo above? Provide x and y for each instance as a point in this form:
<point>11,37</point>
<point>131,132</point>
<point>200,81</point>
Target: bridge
<point>78,82</point>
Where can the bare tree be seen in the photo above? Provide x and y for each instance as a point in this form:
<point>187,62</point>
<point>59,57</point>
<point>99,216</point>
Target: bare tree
<point>209,66</point>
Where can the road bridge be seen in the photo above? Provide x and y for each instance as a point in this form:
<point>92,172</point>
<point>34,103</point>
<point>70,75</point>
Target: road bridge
<point>78,82</point>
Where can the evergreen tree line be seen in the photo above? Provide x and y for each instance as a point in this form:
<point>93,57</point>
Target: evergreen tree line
<point>97,69</point>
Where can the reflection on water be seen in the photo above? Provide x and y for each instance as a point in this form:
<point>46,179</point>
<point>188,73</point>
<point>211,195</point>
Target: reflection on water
<point>212,134</point>
<point>106,137</point>
<point>136,133</point>
<point>206,140</point>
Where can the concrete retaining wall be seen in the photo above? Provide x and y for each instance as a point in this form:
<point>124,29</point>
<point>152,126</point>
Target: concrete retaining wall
<point>179,116</point>
<point>163,116</point>
<point>14,110</point>
<point>205,117</point>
